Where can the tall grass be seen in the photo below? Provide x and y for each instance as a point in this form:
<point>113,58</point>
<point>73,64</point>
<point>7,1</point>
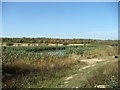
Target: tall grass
<point>95,51</point>
<point>46,66</point>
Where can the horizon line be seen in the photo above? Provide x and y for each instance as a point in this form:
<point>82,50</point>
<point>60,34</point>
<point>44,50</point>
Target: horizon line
<point>57,38</point>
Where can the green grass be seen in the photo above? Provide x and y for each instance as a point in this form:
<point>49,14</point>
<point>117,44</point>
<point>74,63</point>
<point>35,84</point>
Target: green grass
<point>12,53</point>
<point>105,75</point>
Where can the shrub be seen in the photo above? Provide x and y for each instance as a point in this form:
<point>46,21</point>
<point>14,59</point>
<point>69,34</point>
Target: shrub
<point>9,44</point>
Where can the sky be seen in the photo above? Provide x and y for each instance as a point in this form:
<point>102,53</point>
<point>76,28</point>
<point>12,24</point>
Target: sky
<point>88,20</point>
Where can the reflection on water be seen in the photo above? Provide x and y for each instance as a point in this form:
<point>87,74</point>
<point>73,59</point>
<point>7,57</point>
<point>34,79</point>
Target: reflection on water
<point>53,53</point>
<point>57,52</point>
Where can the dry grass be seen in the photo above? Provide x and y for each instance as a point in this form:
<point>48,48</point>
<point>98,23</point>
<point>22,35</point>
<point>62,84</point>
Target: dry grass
<point>106,75</point>
<point>105,50</point>
<point>47,66</point>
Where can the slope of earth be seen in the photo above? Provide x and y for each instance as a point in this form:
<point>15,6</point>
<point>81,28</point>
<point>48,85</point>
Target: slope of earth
<point>77,77</point>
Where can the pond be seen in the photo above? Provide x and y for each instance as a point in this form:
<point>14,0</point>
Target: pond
<point>57,52</point>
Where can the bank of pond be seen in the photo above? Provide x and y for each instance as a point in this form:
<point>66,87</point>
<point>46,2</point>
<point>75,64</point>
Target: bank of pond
<point>11,53</point>
<point>36,52</point>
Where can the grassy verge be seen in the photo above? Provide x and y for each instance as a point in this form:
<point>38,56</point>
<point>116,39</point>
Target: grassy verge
<point>105,75</point>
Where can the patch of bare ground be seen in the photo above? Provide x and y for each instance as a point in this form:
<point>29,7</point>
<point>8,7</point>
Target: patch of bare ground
<point>83,72</point>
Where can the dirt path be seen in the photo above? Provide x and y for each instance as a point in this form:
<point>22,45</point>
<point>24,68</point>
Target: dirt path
<point>78,79</point>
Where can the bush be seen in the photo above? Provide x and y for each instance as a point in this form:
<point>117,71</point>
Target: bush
<point>9,44</point>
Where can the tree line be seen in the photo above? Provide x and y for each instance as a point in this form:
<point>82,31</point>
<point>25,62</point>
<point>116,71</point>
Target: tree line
<point>58,41</point>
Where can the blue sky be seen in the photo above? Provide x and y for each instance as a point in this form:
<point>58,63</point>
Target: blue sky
<point>97,20</point>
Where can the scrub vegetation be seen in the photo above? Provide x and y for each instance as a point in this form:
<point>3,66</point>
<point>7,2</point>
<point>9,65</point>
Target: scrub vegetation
<point>34,67</point>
